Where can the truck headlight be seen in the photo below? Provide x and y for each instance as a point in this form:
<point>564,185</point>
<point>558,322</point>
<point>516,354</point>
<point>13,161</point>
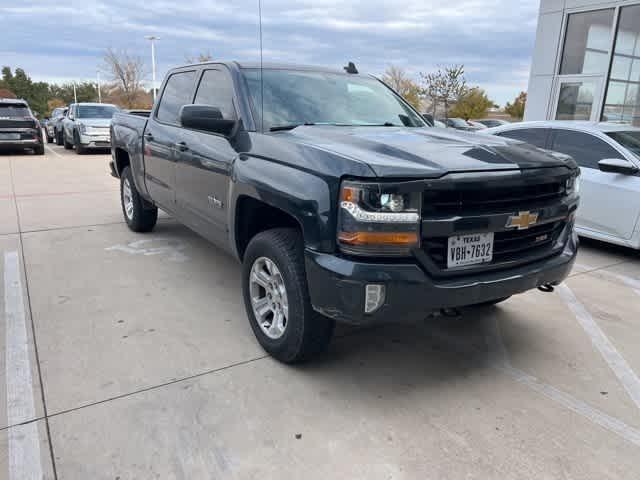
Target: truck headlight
<point>572,185</point>
<point>378,219</point>
<point>82,128</point>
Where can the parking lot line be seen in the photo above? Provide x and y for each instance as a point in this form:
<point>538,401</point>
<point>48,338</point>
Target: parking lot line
<point>53,151</point>
<point>616,362</point>
<point>23,440</point>
<point>498,358</point>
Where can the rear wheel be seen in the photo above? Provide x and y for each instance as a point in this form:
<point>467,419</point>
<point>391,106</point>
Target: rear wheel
<point>140,215</point>
<point>39,150</point>
<point>58,138</point>
<point>276,297</point>
<point>49,139</point>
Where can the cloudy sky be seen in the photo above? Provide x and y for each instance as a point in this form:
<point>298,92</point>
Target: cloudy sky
<point>65,40</point>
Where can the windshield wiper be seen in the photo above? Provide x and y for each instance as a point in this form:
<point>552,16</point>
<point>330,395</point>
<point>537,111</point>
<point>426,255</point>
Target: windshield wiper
<point>289,127</point>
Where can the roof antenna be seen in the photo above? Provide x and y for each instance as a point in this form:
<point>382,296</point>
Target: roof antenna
<point>351,68</point>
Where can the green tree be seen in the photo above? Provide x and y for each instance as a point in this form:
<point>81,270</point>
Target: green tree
<point>397,79</point>
<point>516,109</point>
<point>18,82</point>
<point>474,103</point>
<point>85,92</point>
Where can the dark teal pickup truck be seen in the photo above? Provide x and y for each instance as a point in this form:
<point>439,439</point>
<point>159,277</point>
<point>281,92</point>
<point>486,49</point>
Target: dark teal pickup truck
<point>340,202</point>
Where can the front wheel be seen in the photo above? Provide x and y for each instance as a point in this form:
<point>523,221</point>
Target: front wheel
<point>80,150</point>
<point>140,215</point>
<point>67,145</point>
<point>276,297</point>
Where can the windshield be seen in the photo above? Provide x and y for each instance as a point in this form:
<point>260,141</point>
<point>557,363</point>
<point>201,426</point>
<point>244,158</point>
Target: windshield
<point>293,97</point>
<point>96,111</point>
<point>630,140</point>
<point>14,111</point>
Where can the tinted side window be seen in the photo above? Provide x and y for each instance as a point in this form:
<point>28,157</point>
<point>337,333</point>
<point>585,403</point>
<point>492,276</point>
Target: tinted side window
<point>533,136</point>
<point>216,90</point>
<point>177,92</point>
<point>585,149</point>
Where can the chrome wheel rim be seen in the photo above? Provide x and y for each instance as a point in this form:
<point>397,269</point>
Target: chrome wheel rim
<point>268,298</point>
<point>127,199</point>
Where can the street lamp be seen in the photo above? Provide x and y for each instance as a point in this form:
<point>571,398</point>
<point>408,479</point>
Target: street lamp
<point>99,93</point>
<point>153,39</point>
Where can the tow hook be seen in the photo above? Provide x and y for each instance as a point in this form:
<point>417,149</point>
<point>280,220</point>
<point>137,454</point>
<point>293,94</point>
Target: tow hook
<point>547,288</point>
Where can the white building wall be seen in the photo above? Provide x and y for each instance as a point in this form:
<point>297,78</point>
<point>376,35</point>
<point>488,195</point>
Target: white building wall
<point>548,48</point>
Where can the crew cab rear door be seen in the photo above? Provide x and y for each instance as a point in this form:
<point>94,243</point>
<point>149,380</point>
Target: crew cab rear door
<point>203,169</point>
<point>162,138</point>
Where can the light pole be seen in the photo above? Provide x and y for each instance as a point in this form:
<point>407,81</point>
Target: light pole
<point>98,80</point>
<point>75,96</point>
<point>153,39</point>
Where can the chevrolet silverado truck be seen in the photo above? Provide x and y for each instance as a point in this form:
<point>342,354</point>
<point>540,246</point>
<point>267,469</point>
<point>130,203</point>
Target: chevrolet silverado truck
<point>339,201</point>
<point>19,129</point>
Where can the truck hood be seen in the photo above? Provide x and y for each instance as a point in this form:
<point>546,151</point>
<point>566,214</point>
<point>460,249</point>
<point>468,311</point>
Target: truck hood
<point>424,152</point>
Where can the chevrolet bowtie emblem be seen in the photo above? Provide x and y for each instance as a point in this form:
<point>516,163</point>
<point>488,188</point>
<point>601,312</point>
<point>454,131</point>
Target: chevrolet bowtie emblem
<point>523,220</point>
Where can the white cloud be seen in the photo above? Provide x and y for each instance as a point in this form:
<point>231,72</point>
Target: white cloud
<point>492,38</point>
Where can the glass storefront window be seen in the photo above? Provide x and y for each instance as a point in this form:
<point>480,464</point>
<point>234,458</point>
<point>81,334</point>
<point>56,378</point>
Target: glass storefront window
<point>575,100</point>
<point>623,90</point>
<point>587,42</point>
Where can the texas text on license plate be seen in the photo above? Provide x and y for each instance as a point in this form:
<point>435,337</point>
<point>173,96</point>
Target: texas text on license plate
<point>470,249</point>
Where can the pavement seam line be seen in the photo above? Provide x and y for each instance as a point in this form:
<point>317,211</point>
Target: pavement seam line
<point>33,326</point>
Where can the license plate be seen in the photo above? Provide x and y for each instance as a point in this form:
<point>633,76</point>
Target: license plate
<point>473,249</point>
<point>9,136</point>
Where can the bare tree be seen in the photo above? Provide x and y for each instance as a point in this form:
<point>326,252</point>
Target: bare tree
<point>397,79</point>
<point>446,85</point>
<point>127,72</point>
<point>200,58</point>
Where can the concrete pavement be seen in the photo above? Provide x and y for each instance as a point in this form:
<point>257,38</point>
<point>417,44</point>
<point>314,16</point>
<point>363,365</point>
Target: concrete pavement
<point>141,363</point>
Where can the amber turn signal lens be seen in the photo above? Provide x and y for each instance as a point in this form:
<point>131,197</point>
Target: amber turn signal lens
<point>378,238</point>
<point>349,194</point>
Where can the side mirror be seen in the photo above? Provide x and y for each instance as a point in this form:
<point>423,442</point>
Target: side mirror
<point>617,165</point>
<point>206,118</point>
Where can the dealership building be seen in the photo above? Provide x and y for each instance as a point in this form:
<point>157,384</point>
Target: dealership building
<point>586,62</point>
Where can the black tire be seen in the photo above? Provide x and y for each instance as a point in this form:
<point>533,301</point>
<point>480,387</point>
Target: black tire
<point>144,215</point>
<point>80,150</point>
<point>59,140</point>
<point>67,145</point>
<point>491,302</point>
<point>306,332</point>
<point>39,150</point>
<point>49,139</point>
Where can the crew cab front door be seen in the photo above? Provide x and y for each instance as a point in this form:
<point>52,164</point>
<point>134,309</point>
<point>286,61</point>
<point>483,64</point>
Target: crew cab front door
<point>203,170</point>
<point>162,137</point>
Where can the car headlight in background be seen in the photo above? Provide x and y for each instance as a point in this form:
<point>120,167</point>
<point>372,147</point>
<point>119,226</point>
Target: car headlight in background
<point>378,219</point>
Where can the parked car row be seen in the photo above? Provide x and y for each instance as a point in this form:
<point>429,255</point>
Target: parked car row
<point>81,126</point>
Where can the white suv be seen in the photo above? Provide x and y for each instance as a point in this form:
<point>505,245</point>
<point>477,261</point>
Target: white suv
<point>609,159</point>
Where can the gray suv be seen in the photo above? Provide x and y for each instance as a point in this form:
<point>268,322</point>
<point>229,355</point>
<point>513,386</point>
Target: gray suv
<point>86,126</point>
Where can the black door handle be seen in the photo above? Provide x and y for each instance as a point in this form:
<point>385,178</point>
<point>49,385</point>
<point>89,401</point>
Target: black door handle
<point>148,137</point>
<point>181,146</point>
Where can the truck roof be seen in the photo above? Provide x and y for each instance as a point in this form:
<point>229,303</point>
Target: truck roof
<point>14,101</point>
<point>269,66</point>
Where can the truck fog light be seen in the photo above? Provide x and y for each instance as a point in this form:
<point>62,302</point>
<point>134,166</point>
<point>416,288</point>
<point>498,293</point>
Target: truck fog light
<point>374,297</point>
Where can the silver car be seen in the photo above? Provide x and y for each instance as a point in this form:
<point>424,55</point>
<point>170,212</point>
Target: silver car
<point>87,126</point>
<point>53,128</point>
